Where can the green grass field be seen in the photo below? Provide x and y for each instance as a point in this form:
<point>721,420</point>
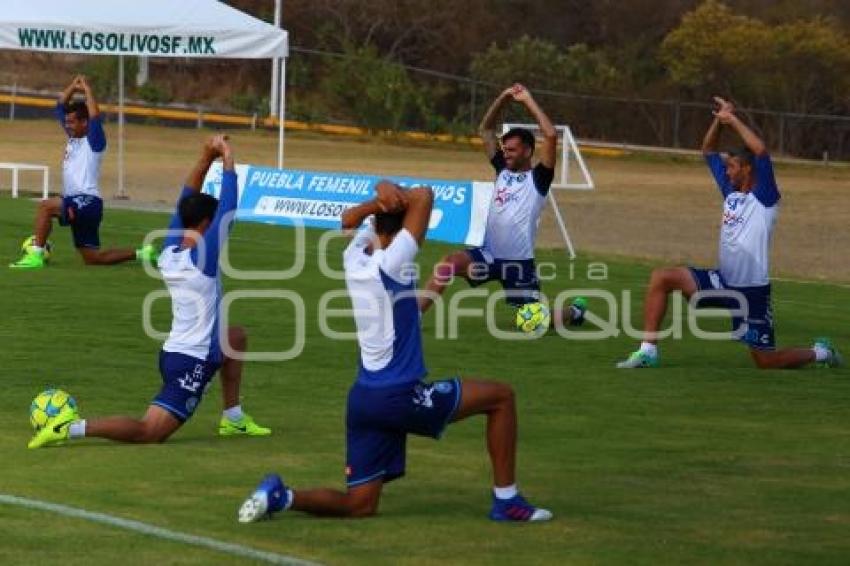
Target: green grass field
<point>705,460</point>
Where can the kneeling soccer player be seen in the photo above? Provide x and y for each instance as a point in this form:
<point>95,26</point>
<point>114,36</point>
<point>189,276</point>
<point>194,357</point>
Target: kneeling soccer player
<point>741,283</point>
<point>192,354</point>
<point>389,399</point>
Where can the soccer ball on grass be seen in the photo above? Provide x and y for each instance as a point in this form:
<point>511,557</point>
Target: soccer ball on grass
<point>533,319</point>
<point>47,405</point>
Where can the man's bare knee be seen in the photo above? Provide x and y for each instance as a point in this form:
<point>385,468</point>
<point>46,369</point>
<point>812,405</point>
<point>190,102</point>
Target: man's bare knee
<point>90,256</point>
<point>505,396</point>
<point>362,507</point>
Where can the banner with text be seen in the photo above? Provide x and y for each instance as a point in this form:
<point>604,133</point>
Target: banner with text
<point>318,199</point>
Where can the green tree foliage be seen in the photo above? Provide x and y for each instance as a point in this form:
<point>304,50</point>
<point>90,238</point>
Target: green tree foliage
<point>541,64</point>
<point>365,88</point>
<point>799,66</point>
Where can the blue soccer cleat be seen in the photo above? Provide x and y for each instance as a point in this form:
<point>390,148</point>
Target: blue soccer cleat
<point>517,509</point>
<point>270,497</point>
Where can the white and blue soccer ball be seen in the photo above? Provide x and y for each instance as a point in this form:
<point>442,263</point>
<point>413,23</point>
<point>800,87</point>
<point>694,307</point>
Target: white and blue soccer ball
<point>533,319</point>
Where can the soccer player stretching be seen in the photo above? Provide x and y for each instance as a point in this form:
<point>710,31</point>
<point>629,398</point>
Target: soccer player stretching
<point>741,282</point>
<point>520,193</point>
<point>80,206</point>
<point>389,398</point>
<point>192,354</point>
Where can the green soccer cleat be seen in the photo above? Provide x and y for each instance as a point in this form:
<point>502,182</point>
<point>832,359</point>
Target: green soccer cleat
<point>147,253</point>
<point>31,260</point>
<point>835,359</point>
<point>245,426</point>
<point>578,308</point>
<point>639,360</point>
<point>56,430</point>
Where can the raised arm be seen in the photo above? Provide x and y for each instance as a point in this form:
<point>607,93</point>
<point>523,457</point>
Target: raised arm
<point>62,101</point>
<point>195,178</point>
<point>354,216</point>
<point>751,140</point>
<point>487,129</point>
<point>91,101</point>
<point>417,215</point>
<point>548,150</point>
<point>225,214</point>
<point>194,181</point>
<point>726,115</point>
<point>65,95</point>
<point>711,141</point>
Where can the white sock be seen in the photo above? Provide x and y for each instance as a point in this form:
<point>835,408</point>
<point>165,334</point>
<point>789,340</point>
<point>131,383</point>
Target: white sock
<point>77,429</point>
<point>233,413</point>
<point>821,353</point>
<point>649,349</point>
<point>37,250</point>
<point>506,492</point>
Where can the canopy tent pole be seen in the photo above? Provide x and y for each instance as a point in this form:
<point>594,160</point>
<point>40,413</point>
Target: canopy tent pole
<point>273,96</point>
<point>281,112</point>
<point>121,194</point>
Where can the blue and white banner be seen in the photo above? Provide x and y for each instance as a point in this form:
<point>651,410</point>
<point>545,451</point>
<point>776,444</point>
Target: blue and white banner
<point>318,199</point>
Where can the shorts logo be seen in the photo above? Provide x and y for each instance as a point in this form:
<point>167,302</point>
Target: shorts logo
<point>422,396</point>
<point>193,382</point>
<point>191,403</point>
<point>714,277</point>
<point>81,201</point>
<point>443,387</point>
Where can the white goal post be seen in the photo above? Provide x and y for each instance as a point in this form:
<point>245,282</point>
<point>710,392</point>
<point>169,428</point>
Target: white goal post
<point>570,164</point>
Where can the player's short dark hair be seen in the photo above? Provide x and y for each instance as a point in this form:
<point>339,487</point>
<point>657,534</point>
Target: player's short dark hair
<point>196,208</point>
<point>744,155</point>
<point>524,136</point>
<point>388,223</point>
<point>78,108</point>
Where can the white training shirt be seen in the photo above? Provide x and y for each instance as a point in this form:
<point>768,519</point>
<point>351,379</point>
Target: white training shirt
<point>195,299</point>
<point>193,278</point>
<point>382,287</point>
<point>518,198</point>
<point>83,157</point>
<point>747,227</point>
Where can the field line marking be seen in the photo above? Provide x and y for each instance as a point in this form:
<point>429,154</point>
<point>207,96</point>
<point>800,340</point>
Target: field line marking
<point>151,530</point>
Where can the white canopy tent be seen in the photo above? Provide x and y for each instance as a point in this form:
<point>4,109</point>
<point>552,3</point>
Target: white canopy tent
<point>156,28</point>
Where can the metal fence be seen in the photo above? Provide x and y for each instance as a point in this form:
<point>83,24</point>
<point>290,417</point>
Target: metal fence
<point>330,88</point>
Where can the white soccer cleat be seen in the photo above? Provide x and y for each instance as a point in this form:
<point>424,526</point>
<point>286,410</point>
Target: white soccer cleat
<point>254,508</point>
<point>639,360</point>
<point>271,496</point>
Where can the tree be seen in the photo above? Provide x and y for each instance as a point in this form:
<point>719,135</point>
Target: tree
<point>801,66</point>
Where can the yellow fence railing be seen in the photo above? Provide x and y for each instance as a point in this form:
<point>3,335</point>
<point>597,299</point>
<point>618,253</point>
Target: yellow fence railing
<point>202,117</point>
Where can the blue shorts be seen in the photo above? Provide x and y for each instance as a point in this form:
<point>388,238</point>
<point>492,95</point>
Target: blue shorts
<point>184,381</point>
<point>83,214</point>
<point>756,329</point>
<point>517,276</point>
<point>378,420</point>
